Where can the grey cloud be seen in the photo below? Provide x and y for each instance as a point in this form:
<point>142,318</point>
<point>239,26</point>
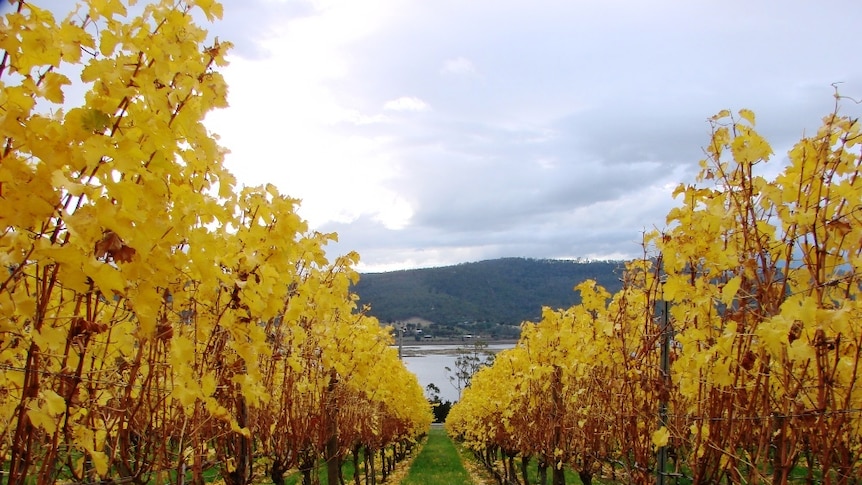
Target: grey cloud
<point>558,126</point>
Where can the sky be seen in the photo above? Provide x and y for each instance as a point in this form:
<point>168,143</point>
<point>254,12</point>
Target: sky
<point>429,133</point>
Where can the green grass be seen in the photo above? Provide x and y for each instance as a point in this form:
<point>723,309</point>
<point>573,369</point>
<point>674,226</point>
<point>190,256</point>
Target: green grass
<point>438,463</point>
<point>533,472</point>
<point>295,477</point>
<point>572,477</point>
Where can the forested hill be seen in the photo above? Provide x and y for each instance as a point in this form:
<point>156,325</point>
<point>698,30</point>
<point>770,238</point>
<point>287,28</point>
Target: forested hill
<point>502,291</point>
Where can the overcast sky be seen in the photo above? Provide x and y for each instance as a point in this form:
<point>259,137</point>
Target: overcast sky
<point>429,133</point>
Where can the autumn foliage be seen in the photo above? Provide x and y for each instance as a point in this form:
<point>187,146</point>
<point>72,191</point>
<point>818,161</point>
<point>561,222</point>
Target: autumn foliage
<point>761,280</point>
<point>157,322</point>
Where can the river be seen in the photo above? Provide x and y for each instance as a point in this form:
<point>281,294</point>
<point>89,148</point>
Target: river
<point>429,363</point>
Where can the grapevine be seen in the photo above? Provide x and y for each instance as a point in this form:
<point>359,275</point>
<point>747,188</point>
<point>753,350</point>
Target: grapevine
<point>761,279</point>
<point>159,321</point>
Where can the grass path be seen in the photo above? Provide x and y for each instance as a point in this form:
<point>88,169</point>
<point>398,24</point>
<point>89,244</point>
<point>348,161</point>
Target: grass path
<point>438,463</point>
<point>477,471</point>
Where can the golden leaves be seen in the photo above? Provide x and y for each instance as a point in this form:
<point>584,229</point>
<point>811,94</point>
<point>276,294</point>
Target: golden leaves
<point>72,38</point>
<point>108,42</point>
<point>747,115</point>
<point>89,301</point>
<point>211,8</point>
<point>761,277</point>
<point>100,461</point>
<point>54,403</point>
<point>95,121</point>
<point>730,289</point>
<point>106,8</point>
<point>29,39</point>
<point>660,437</point>
<point>776,298</point>
<point>42,420</point>
<point>52,86</point>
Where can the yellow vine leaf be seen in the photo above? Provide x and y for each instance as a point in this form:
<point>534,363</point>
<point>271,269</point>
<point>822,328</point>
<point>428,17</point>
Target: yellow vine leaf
<point>71,38</point>
<point>52,86</point>
<point>728,292</point>
<point>747,115</point>
<point>107,8</point>
<point>107,42</point>
<point>660,437</point>
<point>721,114</point>
<point>208,385</point>
<point>54,403</point>
<point>100,461</point>
<point>42,419</point>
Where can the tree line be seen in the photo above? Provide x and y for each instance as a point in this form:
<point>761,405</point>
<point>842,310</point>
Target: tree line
<point>501,291</point>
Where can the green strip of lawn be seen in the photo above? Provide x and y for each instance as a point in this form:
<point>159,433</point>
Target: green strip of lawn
<point>438,463</point>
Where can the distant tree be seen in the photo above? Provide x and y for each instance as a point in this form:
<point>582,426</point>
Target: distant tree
<point>432,393</point>
<point>438,407</point>
<point>441,411</point>
<point>470,359</point>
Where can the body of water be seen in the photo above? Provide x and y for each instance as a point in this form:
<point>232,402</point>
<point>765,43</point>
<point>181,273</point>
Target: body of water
<point>429,363</point>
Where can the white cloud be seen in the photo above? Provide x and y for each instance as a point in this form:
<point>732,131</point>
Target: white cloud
<point>406,103</point>
<point>395,215</point>
<point>547,163</point>
<point>284,118</point>
<point>563,144</point>
<point>458,66</point>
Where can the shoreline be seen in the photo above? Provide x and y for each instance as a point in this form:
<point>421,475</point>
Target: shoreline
<point>445,347</point>
<point>462,342</point>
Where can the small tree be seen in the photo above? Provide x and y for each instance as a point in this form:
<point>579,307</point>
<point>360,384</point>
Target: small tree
<point>432,393</point>
<point>439,407</point>
<point>470,359</point>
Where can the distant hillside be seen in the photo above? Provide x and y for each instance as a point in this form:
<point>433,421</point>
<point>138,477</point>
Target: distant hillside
<point>501,291</point>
